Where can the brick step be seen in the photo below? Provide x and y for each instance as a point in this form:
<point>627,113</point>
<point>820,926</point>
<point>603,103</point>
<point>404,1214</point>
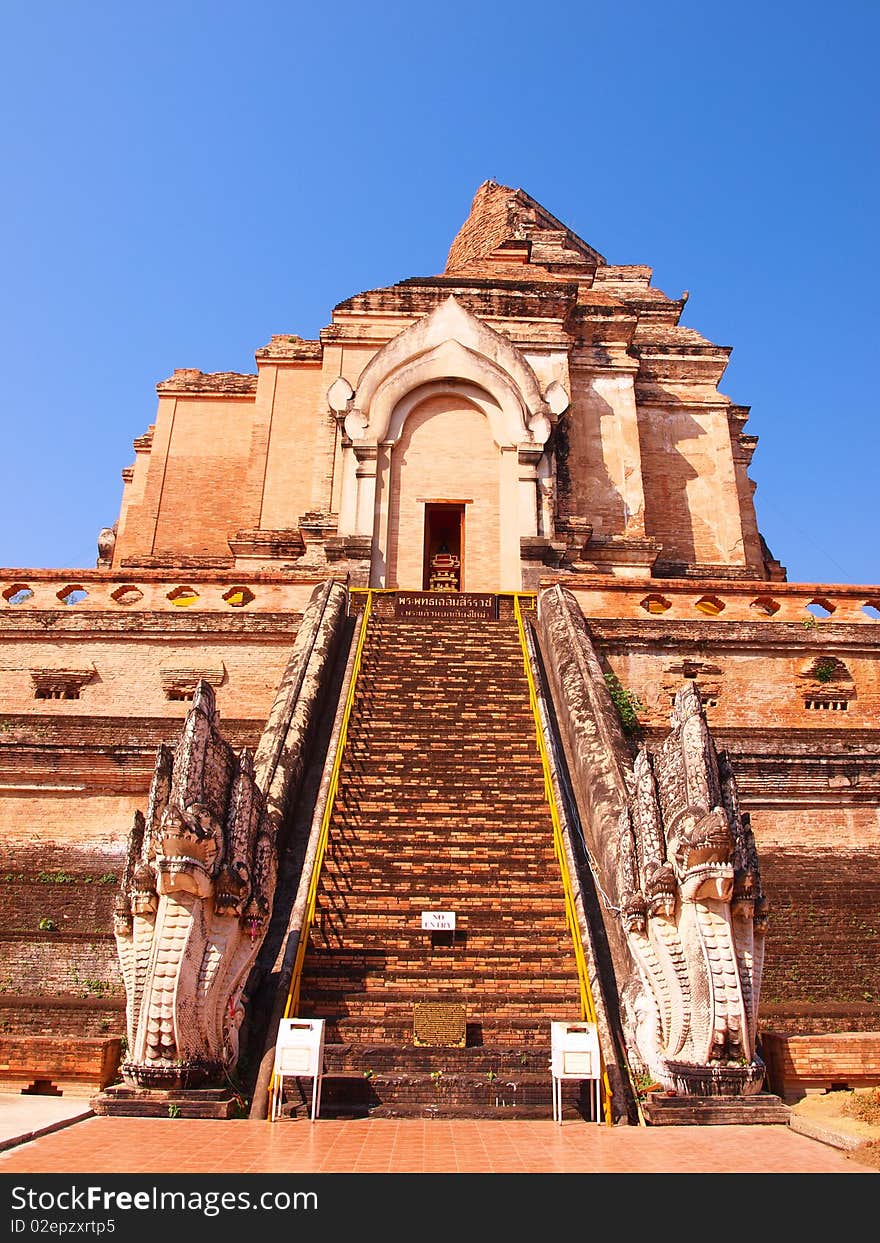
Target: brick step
<point>515,949</point>
<point>446,653</point>
<point>415,798</point>
<point>122,1101</point>
<point>461,779</point>
<point>349,1095</point>
<point>366,843</point>
<point>396,941</point>
<point>448,843</point>
<point>495,720</point>
<point>397,712</point>
<point>407,703</point>
<point>762,1108</point>
<point>441,855</point>
<point>410,770</point>
<point>426,677</point>
<point>365,932</point>
<point>376,872</point>
<point>367,996</point>
<point>433,892</point>
<point>440,650</point>
<point>529,805</point>
<point>472,1060</point>
<point>399,742</point>
<point>382,908</point>
<point>475,762</point>
<point>529,1029</point>
<point>369,971</point>
<point>394,1006</point>
<point>403,926</point>
<point>472,691</point>
<point>503,1031</point>
<point>460,676</point>
<point>420,825</point>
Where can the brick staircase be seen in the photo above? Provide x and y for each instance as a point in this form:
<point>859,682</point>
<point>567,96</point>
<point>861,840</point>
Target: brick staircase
<point>441,807</point>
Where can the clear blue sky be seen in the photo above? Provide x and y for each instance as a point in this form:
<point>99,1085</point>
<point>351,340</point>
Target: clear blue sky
<point>182,180</point>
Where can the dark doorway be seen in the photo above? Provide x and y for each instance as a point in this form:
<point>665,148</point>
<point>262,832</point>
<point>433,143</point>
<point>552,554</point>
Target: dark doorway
<point>444,547</point>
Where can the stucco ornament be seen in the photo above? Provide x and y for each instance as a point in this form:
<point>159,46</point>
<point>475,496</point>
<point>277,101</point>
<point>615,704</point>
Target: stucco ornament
<point>694,915</point>
<point>193,907</point>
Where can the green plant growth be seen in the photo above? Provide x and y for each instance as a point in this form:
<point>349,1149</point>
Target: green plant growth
<point>644,1082</point>
<point>56,878</point>
<point>824,670</point>
<point>368,1074</point>
<point>626,702</point>
<point>47,925</point>
<point>173,1111</point>
<point>437,1079</point>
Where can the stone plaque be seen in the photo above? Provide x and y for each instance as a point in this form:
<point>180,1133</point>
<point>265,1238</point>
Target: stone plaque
<point>446,606</point>
<point>439,1023</point>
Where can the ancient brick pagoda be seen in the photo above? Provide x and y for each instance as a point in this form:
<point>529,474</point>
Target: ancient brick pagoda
<point>461,608</point>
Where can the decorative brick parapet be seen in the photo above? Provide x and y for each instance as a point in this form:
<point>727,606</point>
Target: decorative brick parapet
<point>723,600</point>
<point>800,1064</point>
<point>191,589</point>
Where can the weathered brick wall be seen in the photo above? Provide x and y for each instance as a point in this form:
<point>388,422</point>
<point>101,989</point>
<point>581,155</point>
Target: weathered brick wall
<point>62,977</point>
<point>299,463</point>
<point>591,436</point>
<point>203,478</point>
<point>822,967</point>
<point>753,686</point>
<point>129,671</point>
<point>486,227</point>
<point>691,498</point>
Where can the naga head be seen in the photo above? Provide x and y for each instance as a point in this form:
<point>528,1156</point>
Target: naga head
<point>700,848</point>
<point>232,888</point>
<point>660,889</point>
<point>190,844</point>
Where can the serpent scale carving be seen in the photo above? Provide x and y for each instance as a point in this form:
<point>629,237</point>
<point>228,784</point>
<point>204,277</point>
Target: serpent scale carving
<point>694,914</point>
<point>194,905</point>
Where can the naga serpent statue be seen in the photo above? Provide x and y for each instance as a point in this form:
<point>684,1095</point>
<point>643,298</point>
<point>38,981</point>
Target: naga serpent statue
<point>193,908</point>
<point>694,915</point>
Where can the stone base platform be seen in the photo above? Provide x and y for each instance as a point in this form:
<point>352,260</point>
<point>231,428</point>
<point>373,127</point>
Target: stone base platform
<point>120,1101</point>
<point>764,1108</point>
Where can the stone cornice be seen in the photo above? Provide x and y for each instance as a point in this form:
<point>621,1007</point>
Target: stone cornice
<point>49,624</point>
<point>768,636</point>
<point>188,382</point>
<point>291,348</point>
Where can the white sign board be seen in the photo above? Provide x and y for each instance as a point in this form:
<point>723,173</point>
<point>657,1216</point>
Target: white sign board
<point>299,1052</point>
<point>438,921</point>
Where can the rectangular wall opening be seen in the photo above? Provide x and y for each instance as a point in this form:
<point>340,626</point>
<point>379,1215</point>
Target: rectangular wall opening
<point>443,568</point>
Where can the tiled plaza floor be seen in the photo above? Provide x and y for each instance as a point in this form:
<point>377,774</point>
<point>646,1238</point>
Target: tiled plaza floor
<point>382,1146</point>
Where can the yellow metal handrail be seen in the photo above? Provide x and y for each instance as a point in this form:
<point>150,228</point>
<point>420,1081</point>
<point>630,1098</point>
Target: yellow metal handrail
<point>588,1007</point>
<point>312,900</point>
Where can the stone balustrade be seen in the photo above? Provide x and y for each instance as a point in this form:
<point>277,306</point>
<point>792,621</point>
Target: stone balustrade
<point>809,604</point>
<point>146,591</point>
<point>598,595</point>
